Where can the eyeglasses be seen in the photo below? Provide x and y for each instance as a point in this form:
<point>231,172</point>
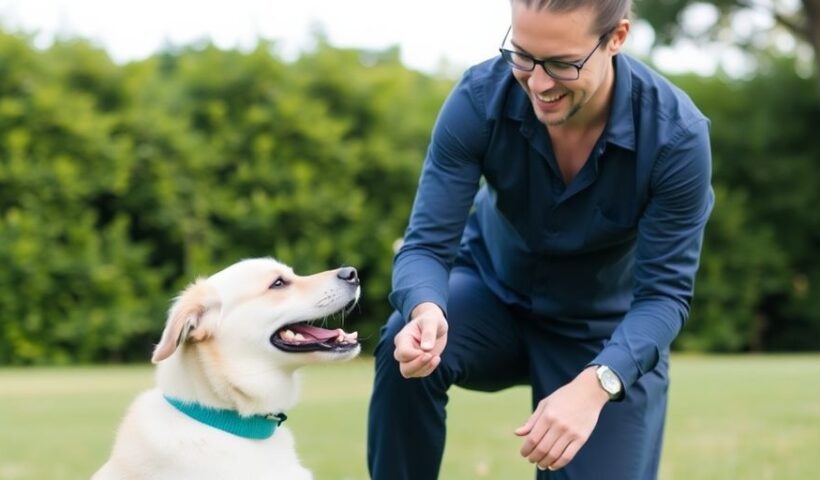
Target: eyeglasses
<point>555,68</point>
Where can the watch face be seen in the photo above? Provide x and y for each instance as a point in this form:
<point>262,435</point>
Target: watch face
<point>610,382</point>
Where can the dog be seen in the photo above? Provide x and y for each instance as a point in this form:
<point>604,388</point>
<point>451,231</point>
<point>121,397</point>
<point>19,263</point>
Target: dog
<point>226,375</point>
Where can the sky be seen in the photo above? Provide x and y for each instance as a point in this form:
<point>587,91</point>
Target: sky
<point>430,33</point>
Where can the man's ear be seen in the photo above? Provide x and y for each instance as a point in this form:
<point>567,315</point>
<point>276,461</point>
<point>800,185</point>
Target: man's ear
<point>186,319</point>
<point>618,37</point>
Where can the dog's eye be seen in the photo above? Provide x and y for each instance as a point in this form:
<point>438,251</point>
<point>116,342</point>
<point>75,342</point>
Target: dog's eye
<point>279,283</point>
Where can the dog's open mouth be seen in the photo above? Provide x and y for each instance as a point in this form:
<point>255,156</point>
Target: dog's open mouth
<point>303,337</point>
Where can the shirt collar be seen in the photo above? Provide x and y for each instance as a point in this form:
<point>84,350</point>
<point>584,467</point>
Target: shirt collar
<point>620,129</point>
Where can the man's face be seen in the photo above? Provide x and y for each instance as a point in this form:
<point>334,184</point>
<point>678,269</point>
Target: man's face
<point>567,37</point>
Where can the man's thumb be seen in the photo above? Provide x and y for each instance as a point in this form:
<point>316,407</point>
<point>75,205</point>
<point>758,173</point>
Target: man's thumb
<point>428,334</point>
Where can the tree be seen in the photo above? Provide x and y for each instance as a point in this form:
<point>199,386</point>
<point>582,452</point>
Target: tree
<point>801,20</point>
<point>759,283</point>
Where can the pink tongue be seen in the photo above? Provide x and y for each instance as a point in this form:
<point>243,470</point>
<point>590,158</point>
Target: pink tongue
<point>314,333</point>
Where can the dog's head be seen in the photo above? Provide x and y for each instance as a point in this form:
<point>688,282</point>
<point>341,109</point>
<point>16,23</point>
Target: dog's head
<point>260,309</point>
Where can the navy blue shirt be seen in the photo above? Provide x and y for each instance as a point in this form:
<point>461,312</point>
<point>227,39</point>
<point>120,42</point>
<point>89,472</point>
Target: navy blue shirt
<point>615,250</point>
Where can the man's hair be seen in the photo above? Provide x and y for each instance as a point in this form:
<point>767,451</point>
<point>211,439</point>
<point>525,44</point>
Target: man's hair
<point>609,12</point>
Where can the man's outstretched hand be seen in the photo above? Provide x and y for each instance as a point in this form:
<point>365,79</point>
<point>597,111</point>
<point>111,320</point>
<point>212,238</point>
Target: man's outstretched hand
<point>420,343</point>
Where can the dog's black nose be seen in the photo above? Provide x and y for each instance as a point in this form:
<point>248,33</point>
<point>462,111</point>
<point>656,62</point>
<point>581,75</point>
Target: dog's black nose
<point>349,275</point>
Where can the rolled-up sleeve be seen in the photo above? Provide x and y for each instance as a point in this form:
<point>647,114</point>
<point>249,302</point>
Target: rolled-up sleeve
<point>670,236</point>
<point>449,181</point>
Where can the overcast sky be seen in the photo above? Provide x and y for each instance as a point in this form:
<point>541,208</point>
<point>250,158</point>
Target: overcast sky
<point>428,32</point>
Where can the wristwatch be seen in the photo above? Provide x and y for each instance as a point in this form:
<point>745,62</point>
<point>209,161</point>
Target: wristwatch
<point>609,382</point>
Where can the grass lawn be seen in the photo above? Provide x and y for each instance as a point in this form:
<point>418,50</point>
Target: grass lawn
<point>732,417</point>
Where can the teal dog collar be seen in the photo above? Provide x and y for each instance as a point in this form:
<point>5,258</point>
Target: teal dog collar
<point>255,427</point>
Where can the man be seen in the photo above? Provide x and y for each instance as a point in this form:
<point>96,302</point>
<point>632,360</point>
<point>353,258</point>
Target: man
<point>570,267</point>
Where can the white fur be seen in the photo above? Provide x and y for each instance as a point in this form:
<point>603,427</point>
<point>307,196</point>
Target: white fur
<point>223,325</point>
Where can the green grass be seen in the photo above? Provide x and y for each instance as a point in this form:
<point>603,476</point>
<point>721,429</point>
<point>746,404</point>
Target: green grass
<point>734,417</point>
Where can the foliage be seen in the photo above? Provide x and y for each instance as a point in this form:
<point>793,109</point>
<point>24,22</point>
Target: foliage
<point>759,284</point>
<point>666,16</point>
<point>732,26</point>
<point>74,279</point>
<point>119,184</point>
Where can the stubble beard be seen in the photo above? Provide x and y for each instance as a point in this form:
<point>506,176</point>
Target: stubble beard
<point>575,108</point>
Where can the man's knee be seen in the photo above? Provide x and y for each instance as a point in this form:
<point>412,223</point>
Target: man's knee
<point>387,334</point>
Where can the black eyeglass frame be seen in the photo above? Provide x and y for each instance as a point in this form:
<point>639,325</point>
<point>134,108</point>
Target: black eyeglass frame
<point>507,55</point>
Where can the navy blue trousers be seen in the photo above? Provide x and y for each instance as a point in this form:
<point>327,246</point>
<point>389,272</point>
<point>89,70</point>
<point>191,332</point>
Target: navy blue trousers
<point>492,346</point>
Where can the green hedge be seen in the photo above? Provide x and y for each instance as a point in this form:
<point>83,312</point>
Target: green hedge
<point>121,183</point>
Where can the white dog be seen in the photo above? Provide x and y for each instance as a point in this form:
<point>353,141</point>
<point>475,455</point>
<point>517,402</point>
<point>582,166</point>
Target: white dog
<point>225,375</point>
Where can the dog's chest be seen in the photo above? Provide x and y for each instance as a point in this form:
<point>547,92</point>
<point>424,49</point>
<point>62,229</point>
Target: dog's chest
<point>234,457</point>
<point>227,456</point>
<point>157,441</point>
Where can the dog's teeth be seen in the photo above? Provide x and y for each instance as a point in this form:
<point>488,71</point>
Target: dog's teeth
<point>287,334</point>
<point>340,338</point>
<point>298,336</point>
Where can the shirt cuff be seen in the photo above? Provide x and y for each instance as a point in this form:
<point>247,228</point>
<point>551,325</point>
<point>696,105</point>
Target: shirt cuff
<point>620,362</point>
<point>419,296</point>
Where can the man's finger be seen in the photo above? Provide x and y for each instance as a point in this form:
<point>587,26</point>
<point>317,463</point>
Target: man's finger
<point>531,448</point>
<point>406,347</point>
<point>525,429</point>
<point>541,455</point>
<point>406,353</point>
<point>535,437</point>
<point>429,367</point>
<point>567,455</point>
<point>413,367</point>
<point>558,448</point>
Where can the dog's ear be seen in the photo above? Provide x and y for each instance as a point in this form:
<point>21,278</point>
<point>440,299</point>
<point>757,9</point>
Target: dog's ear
<point>186,319</point>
